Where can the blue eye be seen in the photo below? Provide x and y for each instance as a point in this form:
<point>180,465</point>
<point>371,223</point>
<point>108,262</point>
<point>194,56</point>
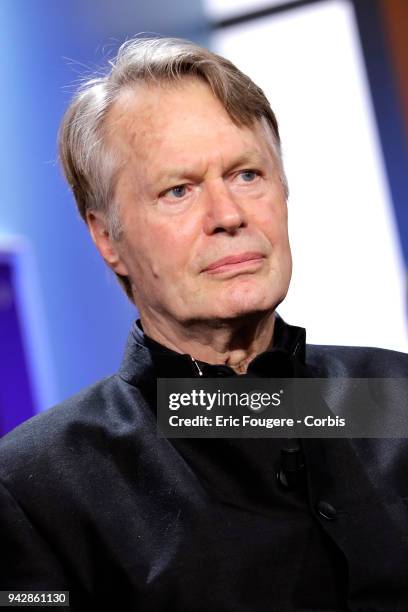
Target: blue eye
<point>179,191</point>
<point>248,175</point>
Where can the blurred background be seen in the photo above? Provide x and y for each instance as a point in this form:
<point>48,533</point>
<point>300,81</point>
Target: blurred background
<point>336,74</point>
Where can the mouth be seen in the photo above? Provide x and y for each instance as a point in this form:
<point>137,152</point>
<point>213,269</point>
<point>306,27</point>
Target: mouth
<point>236,263</point>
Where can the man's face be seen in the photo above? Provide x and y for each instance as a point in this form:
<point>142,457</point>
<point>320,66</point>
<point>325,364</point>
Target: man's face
<point>202,206</point>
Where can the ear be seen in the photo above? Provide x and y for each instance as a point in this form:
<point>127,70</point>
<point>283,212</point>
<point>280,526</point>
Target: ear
<point>107,247</point>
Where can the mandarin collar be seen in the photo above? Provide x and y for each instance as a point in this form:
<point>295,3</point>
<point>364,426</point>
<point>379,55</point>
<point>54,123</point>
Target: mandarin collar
<point>144,358</point>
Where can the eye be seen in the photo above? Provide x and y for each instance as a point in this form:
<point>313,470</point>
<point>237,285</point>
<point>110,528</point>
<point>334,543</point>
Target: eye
<point>178,191</point>
<point>248,176</point>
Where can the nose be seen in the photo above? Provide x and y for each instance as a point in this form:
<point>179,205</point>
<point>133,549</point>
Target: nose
<point>223,213</point>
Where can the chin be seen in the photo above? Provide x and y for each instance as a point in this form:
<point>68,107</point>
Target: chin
<point>250,303</point>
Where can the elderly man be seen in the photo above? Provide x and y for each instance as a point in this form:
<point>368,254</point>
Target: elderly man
<point>174,161</point>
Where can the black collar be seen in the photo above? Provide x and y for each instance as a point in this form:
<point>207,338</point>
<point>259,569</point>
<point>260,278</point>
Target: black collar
<point>145,358</point>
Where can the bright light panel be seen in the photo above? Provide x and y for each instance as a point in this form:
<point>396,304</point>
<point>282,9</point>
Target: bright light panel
<point>221,9</point>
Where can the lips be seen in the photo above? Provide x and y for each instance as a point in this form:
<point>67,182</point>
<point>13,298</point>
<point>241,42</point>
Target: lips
<point>234,259</point>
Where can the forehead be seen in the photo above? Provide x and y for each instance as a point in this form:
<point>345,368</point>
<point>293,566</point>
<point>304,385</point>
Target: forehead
<point>160,121</point>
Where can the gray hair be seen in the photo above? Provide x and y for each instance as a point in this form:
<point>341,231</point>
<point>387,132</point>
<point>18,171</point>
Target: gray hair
<point>91,167</point>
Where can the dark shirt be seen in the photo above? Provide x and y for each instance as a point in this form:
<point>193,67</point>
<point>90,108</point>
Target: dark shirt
<point>263,525</point>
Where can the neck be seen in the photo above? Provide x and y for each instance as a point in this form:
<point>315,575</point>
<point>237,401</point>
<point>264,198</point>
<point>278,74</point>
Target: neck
<point>234,343</point>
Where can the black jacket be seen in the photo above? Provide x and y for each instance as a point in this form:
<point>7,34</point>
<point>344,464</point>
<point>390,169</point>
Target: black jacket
<point>93,502</point>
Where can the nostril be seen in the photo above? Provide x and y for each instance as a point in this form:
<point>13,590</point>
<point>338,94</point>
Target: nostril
<point>231,230</point>
<point>230,226</point>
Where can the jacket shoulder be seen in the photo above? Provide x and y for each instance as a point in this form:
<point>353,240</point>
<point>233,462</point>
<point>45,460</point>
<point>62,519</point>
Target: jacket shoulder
<point>73,427</point>
<point>356,362</point>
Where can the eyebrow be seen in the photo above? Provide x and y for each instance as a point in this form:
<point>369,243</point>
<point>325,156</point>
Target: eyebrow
<point>248,157</point>
<point>176,173</point>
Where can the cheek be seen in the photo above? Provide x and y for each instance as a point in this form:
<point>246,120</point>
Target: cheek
<point>169,247</point>
<point>271,218</point>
